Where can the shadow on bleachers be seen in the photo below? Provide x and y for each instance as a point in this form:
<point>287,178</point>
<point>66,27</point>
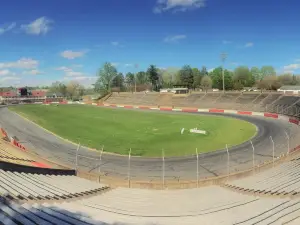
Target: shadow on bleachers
<point>12,213</point>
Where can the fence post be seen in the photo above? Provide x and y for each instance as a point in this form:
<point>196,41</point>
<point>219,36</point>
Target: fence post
<point>227,160</point>
<point>253,155</point>
<point>197,167</point>
<point>129,156</point>
<point>288,142</point>
<point>100,159</point>
<point>76,158</point>
<point>273,149</point>
<point>163,169</point>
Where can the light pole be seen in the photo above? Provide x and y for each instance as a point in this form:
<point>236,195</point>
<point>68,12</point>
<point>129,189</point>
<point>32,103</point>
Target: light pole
<point>223,58</point>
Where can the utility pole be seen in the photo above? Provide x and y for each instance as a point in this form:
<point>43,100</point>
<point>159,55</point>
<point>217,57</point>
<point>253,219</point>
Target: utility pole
<point>223,58</point>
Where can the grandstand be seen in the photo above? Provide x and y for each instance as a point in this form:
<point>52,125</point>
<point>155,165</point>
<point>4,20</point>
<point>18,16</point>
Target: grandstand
<point>262,102</point>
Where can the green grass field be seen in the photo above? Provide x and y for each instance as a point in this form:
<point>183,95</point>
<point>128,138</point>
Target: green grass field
<point>146,133</point>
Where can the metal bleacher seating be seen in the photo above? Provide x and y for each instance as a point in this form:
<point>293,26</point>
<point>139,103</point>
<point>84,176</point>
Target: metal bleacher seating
<point>27,186</point>
<point>211,205</point>
<point>283,180</point>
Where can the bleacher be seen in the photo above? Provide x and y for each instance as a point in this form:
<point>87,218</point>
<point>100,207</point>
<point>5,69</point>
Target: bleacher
<point>283,180</point>
<point>262,102</point>
<point>211,205</point>
<point>285,105</point>
<point>11,155</point>
<point>7,156</point>
<point>31,186</point>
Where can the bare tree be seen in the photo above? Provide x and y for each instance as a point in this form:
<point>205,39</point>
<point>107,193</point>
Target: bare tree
<point>72,89</point>
<point>206,83</point>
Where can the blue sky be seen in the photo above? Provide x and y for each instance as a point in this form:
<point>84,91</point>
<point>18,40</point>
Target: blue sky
<point>44,41</point>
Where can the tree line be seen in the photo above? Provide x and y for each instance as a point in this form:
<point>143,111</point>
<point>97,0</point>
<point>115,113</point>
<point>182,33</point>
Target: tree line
<point>109,79</point>
<point>265,78</point>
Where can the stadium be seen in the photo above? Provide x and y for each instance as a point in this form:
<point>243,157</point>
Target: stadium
<point>235,161</point>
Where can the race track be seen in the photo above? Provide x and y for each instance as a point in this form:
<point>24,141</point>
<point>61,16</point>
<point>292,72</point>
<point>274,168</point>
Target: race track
<point>211,164</point>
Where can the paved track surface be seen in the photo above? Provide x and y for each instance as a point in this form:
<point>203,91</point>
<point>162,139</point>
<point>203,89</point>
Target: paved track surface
<point>211,164</point>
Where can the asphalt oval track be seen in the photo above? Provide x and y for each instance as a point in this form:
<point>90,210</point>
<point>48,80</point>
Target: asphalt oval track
<point>178,168</point>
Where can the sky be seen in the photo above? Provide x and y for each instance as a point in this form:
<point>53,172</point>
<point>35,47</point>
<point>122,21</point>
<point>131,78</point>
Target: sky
<point>45,41</point>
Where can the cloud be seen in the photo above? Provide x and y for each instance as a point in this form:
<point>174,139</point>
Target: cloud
<point>128,65</point>
<point>69,54</point>
<point>175,38</point>
<point>84,80</point>
<point>33,72</point>
<point>210,70</point>
<point>115,43</point>
<point>69,72</point>
<point>23,63</point>
<point>77,65</point>
<point>115,64</point>
<point>225,42</point>
<point>39,26</point>
<point>249,45</point>
<point>178,5</point>
<point>10,80</point>
<point>6,73</point>
<point>291,68</point>
<point>7,28</point>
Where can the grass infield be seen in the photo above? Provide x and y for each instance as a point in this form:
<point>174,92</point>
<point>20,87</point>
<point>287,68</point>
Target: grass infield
<point>145,132</point>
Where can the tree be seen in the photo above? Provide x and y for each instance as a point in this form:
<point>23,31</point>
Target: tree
<point>269,83</point>
<point>141,78</point>
<point>267,71</point>
<point>72,89</point>
<point>243,75</point>
<point>118,81</point>
<point>217,79</point>
<point>169,76</point>
<point>129,80</point>
<point>81,90</point>
<point>105,76</point>
<point>197,76</point>
<point>186,76</point>
<point>204,71</point>
<point>296,79</point>
<point>286,79</point>
<point>58,88</point>
<point>256,73</point>
<point>206,83</point>
<point>238,86</point>
<point>153,76</point>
